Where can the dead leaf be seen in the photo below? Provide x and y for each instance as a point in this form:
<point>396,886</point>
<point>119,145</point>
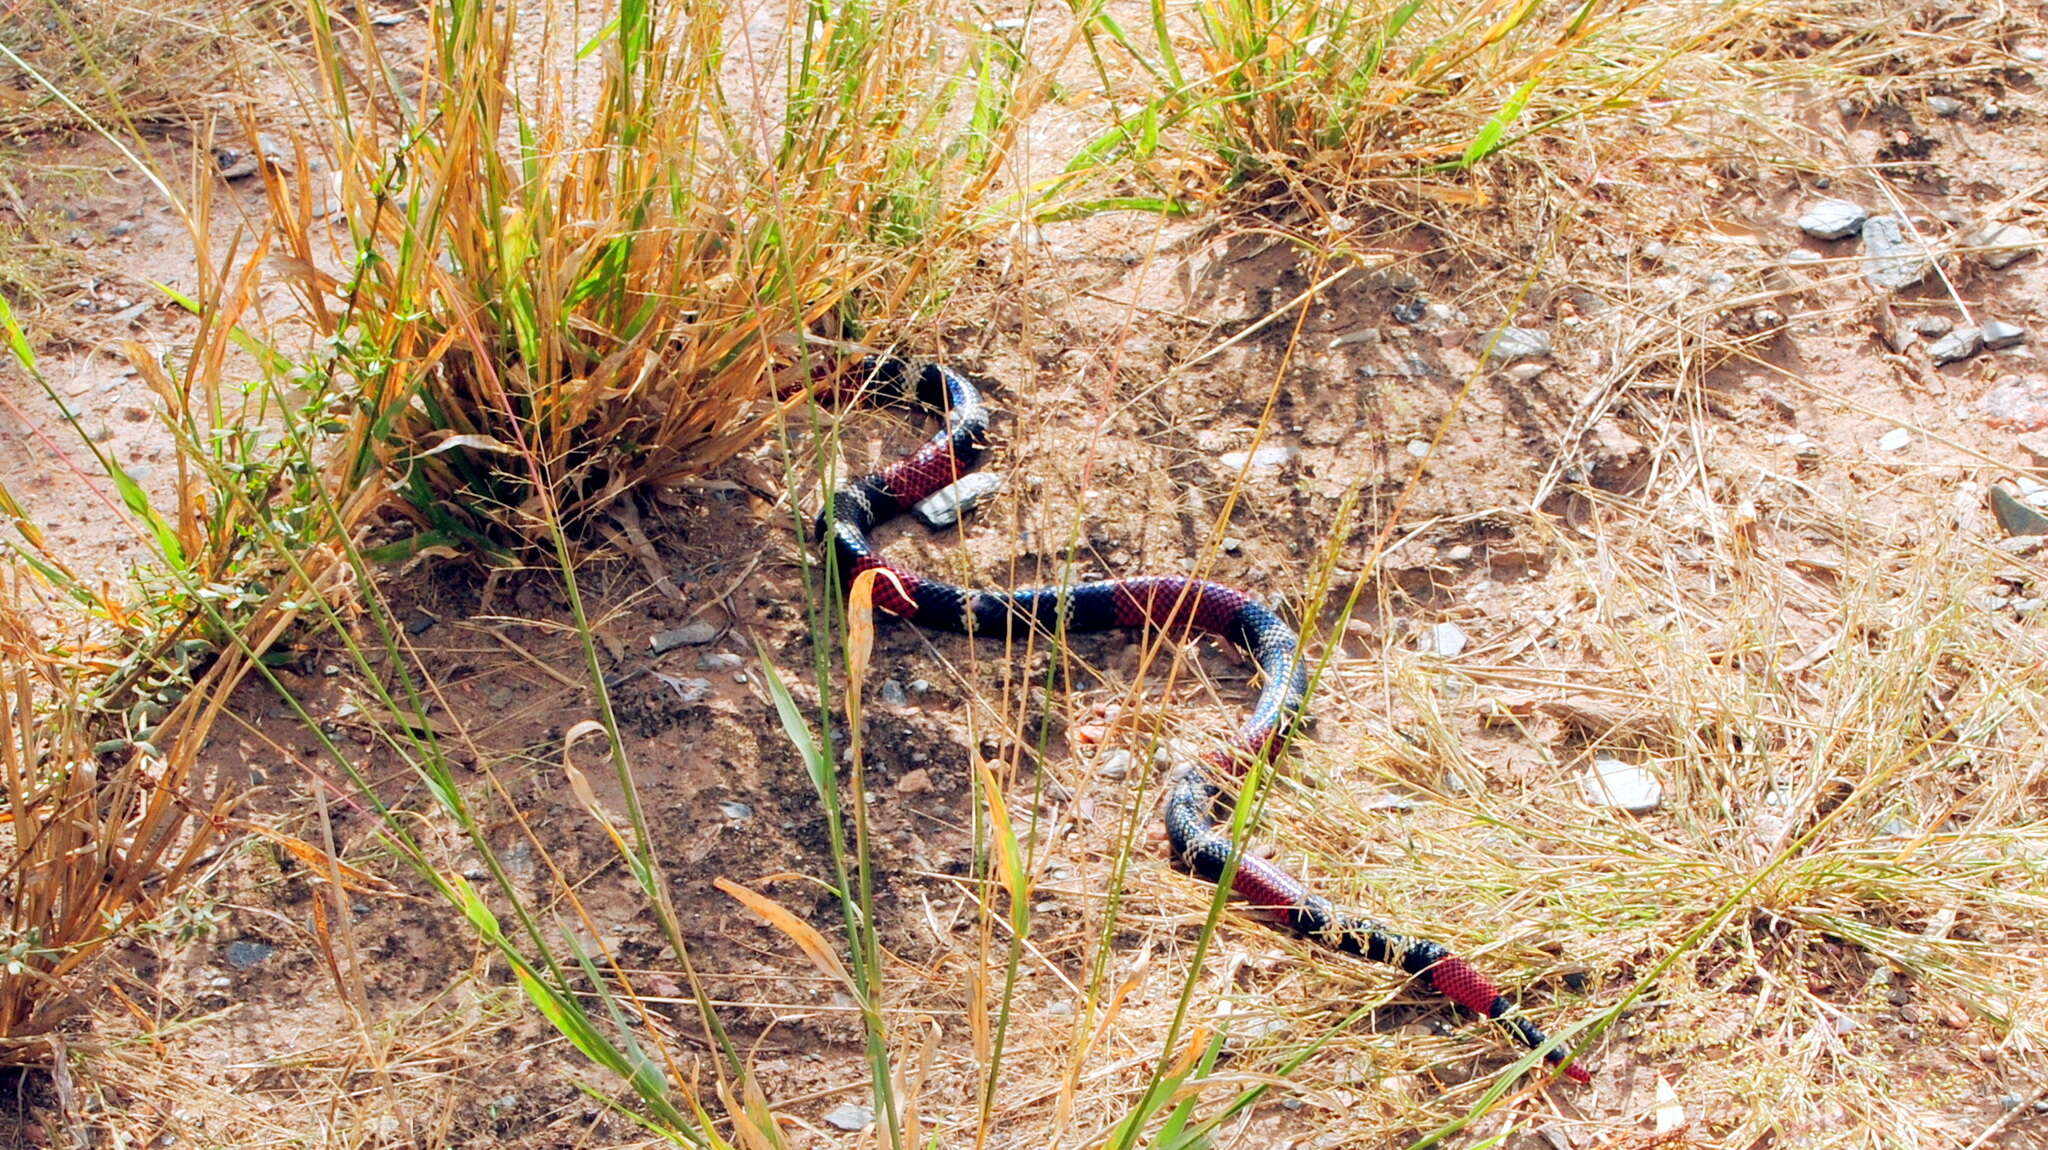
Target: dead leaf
<point>475,442</point>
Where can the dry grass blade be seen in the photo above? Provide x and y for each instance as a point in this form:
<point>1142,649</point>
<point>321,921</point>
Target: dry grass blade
<point>800,932</point>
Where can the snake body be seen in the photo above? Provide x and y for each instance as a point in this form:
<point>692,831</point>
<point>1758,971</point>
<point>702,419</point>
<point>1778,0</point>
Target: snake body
<point>1197,802</point>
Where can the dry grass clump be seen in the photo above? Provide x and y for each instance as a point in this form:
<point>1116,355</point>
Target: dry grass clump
<point>1334,103</point>
<point>96,837</point>
<point>1832,924</point>
<point>114,63</point>
<point>570,279</point>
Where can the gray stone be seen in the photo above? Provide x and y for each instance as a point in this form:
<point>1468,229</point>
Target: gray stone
<point>2004,245</point>
<point>944,507</point>
<point>688,635</point>
<point>1897,439</point>
<point>1998,334</point>
<point>736,810</point>
<point>891,694</point>
<point>1803,256</point>
<point>2015,517</point>
<point>1962,343</point>
<point>849,1117</point>
<point>1512,343</point>
<point>1114,765</point>
<point>1933,326</point>
<point>1614,783</point>
<point>1947,107</point>
<point>1833,219</point>
<point>244,953</point>
<point>1410,312</point>
<point>1265,458</point>
<point>719,661</point>
<point>1891,259</point>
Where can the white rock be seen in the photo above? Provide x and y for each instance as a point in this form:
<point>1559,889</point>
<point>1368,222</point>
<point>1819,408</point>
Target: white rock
<point>1962,343</point>
<point>1999,334</point>
<point>1512,343</point>
<point>1419,448</point>
<point>1833,219</point>
<point>1444,640</point>
<point>850,1118</point>
<point>1892,259</point>
<point>2004,245</point>
<point>1897,439</point>
<point>1614,783</point>
<point>1264,459</point>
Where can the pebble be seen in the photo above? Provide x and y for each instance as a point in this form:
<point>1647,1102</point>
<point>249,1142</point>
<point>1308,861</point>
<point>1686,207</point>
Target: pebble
<point>892,694</point>
<point>1419,448</point>
<point>1614,783</point>
<point>719,661</point>
<point>944,507</point>
<point>1265,458</point>
<point>1890,259</point>
<point>1947,107</point>
<point>1998,334</point>
<point>244,953</point>
<point>1897,439</point>
<point>1409,311</point>
<point>1512,343</point>
<point>1114,765</point>
<point>1844,1023</point>
<point>1524,372</point>
<point>2016,404</point>
<point>1962,343</point>
<point>1459,553</point>
<point>1444,640</point>
<point>1933,326</point>
<point>736,810</point>
<point>920,686</point>
<point>849,1117</point>
<point>914,782</point>
<point>1833,219</point>
<point>1361,335</point>
<point>1803,256</point>
<point>2004,244</point>
<point>689,635</point>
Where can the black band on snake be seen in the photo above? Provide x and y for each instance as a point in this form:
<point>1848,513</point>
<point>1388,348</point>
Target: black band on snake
<point>1197,801</point>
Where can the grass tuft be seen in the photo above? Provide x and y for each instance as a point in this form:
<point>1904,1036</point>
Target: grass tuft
<point>570,279</point>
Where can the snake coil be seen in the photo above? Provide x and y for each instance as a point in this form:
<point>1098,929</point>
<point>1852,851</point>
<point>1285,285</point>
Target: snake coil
<point>1197,802</point>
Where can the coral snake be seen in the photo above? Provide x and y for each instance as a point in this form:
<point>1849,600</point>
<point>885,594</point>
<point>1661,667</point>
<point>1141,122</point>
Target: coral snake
<point>1197,801</point>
